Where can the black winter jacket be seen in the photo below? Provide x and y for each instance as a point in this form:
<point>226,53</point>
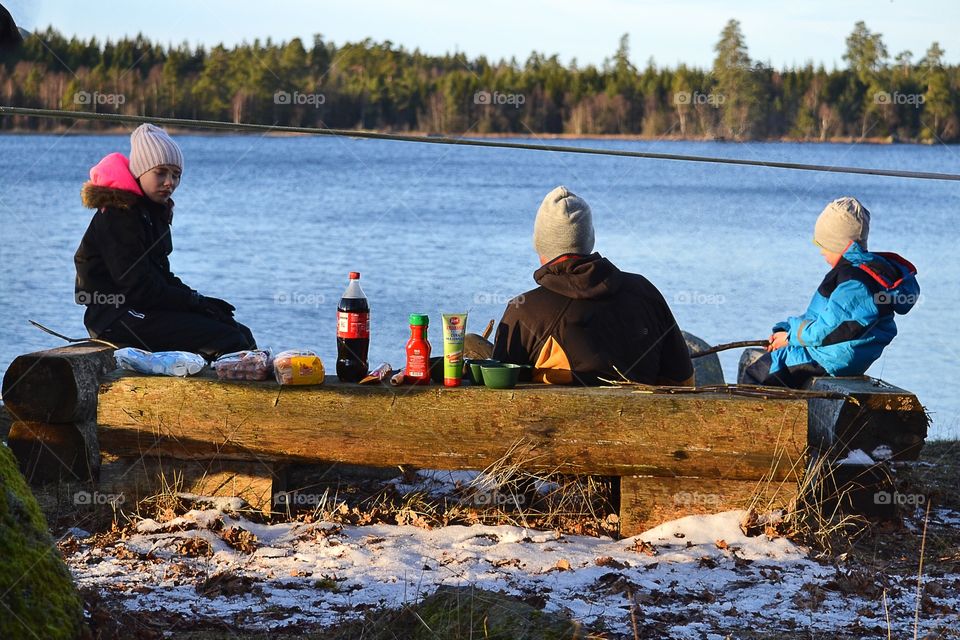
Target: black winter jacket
<point>589,321</point>
<point>122,262</point>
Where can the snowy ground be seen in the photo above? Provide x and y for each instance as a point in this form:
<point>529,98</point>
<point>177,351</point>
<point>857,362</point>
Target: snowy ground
<point>690,578</point>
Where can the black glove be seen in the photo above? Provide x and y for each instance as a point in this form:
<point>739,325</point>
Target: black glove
<point>219,309</point>
<point>223,305</point>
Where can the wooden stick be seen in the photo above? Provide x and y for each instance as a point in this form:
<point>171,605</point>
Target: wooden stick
<point>63,337</point>
<point>486,332</point>
<point>730,345</point>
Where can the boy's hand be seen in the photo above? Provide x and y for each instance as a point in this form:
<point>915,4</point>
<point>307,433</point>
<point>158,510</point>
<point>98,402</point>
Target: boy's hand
<point>778,340</point>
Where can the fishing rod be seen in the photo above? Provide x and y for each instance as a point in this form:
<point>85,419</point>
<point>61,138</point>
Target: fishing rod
<point>72,340</point>
<point>497,144</point>
<point>730,345</point>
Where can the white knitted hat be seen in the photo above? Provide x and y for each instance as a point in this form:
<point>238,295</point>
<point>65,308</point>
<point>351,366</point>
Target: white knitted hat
<point>842,221</point>
<point>564,224</point>
<point>150,146</point>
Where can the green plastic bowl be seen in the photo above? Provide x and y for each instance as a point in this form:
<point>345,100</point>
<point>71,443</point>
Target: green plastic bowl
<point>501,376</point>
<point>476,366</point>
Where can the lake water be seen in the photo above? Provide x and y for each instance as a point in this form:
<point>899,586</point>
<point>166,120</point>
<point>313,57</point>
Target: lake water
<point>274,225</point>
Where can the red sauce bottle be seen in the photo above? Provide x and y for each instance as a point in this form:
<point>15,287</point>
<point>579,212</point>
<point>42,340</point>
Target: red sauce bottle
<point>417,370</point>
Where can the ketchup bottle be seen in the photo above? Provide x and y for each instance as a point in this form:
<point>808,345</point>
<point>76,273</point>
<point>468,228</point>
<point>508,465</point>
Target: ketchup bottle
<point>417,370</point>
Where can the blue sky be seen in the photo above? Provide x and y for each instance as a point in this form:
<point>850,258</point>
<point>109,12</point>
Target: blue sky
<point>783,33</point>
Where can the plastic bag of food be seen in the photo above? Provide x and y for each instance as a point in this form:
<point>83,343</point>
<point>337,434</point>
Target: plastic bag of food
<point>164,363</point>
<point>254,364</point>
<point>298,367</point>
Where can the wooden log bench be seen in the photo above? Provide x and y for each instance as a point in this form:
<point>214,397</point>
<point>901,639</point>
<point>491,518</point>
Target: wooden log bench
<point>674,454</point>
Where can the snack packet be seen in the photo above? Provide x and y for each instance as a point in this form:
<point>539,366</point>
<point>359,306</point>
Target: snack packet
<point>298,367</point>
<point>244,365</point>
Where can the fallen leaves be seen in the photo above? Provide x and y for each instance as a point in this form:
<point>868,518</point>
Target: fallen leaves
<point>506,562</point>
<point>227,584</point>
<point>69,545</point>
<point>613,583</point>
<point>122,552</point>
<point>755,523</point>
<point>240,539</point>
<point>810,596</point>
<point>411,517</point>
<point>855,582</point>
<point>642,546</point>
<point>180,572</point>
<point>607,561</point>
<point>194,547</point>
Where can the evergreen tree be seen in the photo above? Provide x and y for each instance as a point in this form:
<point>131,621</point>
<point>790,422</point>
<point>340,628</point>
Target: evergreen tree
<point>736,88</point>
<point>380,85</point>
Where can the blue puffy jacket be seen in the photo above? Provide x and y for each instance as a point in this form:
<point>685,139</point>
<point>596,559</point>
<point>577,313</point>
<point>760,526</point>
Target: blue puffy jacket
<point>850,318</point>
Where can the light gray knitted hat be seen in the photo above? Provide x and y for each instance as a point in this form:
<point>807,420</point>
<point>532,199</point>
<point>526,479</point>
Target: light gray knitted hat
<point>842,220</point>
<point>150,146</point>
<point>564,224</point>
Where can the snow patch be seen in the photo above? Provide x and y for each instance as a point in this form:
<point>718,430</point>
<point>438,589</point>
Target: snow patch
<point>700,573</point>
<point>857,456</point>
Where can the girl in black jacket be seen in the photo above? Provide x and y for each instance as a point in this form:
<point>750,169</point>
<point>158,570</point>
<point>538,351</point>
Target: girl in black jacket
<point>123,269</point>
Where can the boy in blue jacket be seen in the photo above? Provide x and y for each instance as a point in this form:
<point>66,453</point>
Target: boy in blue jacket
<point>851,316</point>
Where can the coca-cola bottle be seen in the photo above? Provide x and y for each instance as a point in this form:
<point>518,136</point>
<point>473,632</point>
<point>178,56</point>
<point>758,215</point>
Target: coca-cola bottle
<point>353,332</point>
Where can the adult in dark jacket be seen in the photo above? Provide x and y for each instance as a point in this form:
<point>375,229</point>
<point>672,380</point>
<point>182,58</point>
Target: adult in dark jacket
<point>588,321</point>
<point>123,268</point>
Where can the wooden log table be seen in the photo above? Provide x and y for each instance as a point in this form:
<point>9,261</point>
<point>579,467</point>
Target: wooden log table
<point>674,453</point>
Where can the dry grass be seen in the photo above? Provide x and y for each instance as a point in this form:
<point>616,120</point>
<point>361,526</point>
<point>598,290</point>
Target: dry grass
<point>516,490</point>
<point>164,505</point>
<point>809,505</point>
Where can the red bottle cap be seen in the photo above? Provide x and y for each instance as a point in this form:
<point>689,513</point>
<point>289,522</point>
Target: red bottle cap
<point>354,275</point>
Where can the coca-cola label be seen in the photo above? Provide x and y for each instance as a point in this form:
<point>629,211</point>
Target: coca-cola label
<point>353,325</point>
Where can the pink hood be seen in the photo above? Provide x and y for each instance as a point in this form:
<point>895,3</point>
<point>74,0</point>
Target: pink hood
<point>113,172</point>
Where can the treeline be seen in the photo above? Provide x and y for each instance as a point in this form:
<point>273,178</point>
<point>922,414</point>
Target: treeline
<point>372,85</point>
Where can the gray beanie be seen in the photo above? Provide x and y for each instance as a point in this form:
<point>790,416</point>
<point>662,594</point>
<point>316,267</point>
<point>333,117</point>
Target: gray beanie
<point>564,224</point>
<point>842,221</point>
<point>150,146</point>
